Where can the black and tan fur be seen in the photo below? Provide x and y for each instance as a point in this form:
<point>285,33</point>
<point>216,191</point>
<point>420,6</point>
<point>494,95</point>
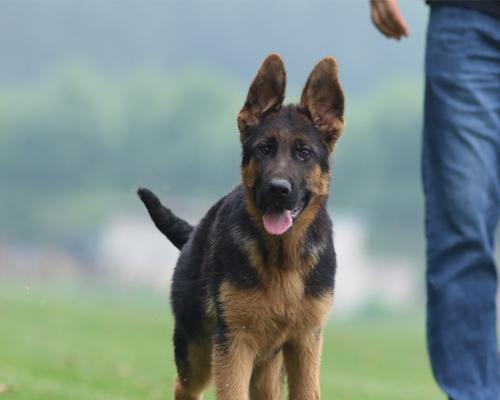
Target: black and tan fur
<point>249,306</point>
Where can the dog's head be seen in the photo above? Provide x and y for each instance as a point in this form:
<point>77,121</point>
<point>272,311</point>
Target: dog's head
<point>287,149</point>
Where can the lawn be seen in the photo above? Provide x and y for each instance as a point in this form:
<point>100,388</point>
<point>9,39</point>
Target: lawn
<point>91,342</point>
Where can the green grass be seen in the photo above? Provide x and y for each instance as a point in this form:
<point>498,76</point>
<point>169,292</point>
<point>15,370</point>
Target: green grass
<point>67,342</point>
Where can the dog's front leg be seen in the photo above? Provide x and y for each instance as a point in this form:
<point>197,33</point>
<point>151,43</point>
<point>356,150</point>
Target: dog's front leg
<point>302,360</point>
<point>232,366</point>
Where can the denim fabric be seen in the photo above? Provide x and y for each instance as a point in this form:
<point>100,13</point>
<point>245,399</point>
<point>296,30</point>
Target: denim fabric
<point>461,174</point>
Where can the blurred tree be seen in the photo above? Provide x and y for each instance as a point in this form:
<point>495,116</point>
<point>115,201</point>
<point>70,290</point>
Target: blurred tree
<point>73,150</point>
<point>377,165</point>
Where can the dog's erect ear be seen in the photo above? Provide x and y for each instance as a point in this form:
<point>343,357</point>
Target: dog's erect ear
<point>324,100</point>
<point>266,93</point>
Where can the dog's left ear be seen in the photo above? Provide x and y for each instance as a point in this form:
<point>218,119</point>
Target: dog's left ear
<point>266,93</point>
<point>323,99</point>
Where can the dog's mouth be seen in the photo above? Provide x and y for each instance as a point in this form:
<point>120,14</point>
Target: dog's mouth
<point>277,222</point>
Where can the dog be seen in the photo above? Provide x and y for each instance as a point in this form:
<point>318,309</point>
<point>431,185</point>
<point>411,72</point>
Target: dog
<point>254,281</point>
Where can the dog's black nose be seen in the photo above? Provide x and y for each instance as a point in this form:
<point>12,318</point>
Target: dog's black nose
<point>280,187</point>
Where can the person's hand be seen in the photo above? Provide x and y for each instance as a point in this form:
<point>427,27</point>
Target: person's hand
<point>387,18</point>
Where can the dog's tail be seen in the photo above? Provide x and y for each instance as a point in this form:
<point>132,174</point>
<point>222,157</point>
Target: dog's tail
<point>174,228</point>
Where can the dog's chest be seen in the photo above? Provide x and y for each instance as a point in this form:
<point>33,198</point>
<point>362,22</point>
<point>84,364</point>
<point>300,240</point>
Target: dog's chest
<point>274,312</point>
<point>281,300</point>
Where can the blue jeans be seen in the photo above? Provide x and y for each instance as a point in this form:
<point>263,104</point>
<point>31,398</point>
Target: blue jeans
<point>461,174</point>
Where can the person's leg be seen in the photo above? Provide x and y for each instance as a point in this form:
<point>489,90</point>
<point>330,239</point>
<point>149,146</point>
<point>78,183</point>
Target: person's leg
<point>461,171</point>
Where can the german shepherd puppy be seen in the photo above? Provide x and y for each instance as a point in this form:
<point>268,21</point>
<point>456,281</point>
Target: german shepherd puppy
<point>254,281</point>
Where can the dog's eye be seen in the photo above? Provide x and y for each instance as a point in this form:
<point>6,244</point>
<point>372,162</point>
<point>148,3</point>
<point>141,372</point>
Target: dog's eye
<point>265,149</point>
<point>304,153</point>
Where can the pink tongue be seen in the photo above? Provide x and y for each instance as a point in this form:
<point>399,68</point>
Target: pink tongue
<point>277,223</point>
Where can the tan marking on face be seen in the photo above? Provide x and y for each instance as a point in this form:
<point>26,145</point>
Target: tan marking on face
<point>318,182</point>
<point>248,174</point>
<point>294,238</point>
<point>253,211</point>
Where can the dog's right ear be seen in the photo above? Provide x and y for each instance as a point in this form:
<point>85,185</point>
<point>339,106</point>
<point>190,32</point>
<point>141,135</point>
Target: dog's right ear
<point>266,93</point>
<point>323,99</point>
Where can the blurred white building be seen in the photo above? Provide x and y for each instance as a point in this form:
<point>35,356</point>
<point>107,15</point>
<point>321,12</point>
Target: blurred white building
<point>134,250</point>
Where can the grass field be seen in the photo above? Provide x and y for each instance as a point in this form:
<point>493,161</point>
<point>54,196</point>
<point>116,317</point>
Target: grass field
<point>68,342</point>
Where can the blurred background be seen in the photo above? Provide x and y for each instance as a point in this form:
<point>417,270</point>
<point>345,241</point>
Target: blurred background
<point>98,98</point>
